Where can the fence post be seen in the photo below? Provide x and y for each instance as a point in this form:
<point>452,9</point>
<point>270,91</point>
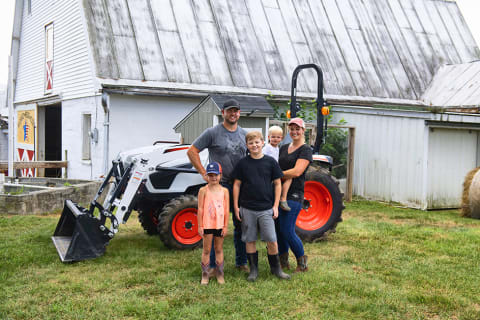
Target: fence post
<point>351,150</point>
<point>2,182</point>
<point>65,175</point>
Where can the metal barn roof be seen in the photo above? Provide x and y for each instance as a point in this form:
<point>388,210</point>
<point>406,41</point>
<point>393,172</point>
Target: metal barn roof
<point>456,87</point>
<point>371,50</point>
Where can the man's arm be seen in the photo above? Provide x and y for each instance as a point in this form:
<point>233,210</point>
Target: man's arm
<point>236,192</point>
<point>194,155</point>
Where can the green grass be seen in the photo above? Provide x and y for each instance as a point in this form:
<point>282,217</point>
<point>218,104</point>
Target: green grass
<point>383,263</point>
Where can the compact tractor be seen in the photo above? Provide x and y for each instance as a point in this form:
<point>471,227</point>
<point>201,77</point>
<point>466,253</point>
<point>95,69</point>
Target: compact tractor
<point>160,183</point>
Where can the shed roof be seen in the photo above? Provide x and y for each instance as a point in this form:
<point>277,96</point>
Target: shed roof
<point>249,106</point>
<point>383,49</point>
<point>455,86</point>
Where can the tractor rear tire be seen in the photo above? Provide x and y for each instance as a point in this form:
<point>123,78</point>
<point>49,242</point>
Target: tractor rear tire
<point>177,223</point>
<point>148,218</point>
<point>324,206</point>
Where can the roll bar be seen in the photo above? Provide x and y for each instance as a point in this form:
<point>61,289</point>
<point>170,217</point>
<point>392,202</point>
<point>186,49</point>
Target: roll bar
<point>320,102</point>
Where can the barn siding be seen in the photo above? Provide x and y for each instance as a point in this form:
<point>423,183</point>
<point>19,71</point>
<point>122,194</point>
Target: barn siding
<point>389,155</point>
<point>406,156</point>
<point>201,117</point>
<point>72,71</point>
<point>445,179</point>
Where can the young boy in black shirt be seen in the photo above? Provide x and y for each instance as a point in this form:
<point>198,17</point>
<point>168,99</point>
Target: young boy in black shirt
<point>255,203</point>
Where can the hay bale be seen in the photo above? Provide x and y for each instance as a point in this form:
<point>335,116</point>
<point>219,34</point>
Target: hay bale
<point>466,194</point>
<point>474,196</point>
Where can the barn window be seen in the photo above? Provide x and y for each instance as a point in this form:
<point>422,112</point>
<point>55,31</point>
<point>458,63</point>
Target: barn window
<point>48,58</point>
<point>86,129</point>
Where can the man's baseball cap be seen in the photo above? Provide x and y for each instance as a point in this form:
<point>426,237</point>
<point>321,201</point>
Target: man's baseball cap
<point>298,121</point>
<point>231,103</point>
<point>214,167</point>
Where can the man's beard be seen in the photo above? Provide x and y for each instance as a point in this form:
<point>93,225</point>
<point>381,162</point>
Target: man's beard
<point>231,122</point>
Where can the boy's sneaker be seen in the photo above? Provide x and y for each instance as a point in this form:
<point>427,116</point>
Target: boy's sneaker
<point>284,206</point>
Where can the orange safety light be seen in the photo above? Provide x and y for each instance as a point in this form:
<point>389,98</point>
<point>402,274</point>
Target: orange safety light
<point>289,114</point>
<point>325,111</point>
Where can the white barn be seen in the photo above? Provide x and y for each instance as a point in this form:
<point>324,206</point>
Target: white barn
<point>154,60</point>
<point>415,155</point>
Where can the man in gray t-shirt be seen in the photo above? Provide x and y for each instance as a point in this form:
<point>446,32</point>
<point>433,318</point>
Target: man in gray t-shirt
<point>226,145</point>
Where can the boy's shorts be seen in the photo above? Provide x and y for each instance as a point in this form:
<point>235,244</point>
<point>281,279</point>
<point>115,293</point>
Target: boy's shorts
<point>257,220</point>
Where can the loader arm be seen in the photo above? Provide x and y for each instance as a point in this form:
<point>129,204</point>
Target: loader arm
<point>83,234</point>
<point>125,204</point>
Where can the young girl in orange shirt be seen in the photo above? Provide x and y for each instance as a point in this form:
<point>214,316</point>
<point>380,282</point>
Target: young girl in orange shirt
<point>213,212</point>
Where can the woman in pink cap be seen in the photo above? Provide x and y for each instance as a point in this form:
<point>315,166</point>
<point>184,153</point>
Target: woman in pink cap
<point>294,159</point>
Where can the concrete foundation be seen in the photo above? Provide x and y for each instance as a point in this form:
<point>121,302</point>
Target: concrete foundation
<point>44,195</point>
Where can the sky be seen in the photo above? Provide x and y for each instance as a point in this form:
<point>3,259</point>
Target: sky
<point>469,8</point>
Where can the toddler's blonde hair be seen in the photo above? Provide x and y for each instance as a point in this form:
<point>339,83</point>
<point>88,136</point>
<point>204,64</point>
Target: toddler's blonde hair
<point>275,129</point>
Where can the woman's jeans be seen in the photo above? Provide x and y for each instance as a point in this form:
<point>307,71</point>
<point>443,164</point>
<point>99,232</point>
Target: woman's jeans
<point>285,228</point>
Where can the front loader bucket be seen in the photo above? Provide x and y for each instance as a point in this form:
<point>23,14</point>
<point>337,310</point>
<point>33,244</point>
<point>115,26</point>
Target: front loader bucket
<point>78,235</point>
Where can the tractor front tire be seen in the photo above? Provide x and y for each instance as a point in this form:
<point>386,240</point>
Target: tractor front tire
<point>148,218</point>
<point>323,206</point>
<point>177,223</point>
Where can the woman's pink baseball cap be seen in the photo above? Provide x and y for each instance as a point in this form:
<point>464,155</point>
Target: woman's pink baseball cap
<point>298,121</point>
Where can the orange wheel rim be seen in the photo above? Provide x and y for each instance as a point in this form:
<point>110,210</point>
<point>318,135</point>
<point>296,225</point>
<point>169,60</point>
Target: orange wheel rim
<point>184,226</point>
<point>320,210</point>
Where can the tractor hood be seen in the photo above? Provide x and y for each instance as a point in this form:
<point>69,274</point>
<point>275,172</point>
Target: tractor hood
<point>166,155</point>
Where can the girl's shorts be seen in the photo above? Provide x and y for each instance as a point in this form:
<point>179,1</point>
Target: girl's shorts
<point>215,232</point>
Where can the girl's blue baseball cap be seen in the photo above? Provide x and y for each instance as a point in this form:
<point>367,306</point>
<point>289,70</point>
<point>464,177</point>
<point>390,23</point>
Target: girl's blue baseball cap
<point>214,167</point>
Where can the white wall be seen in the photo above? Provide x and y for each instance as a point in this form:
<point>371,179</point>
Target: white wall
<point>72,111</point>
<point>134,121</point>
<point>452,154</point>
<point>416,158</point>
<point>137,121</point>
<point>72,71</point>
<point>389,159</point>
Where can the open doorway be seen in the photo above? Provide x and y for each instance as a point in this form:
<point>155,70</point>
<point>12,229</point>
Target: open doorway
<point>50,140</point>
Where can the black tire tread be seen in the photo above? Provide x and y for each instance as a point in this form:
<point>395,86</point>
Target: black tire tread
<point>144,216</point>
<point>332,184</point>
<point>166,217</point>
